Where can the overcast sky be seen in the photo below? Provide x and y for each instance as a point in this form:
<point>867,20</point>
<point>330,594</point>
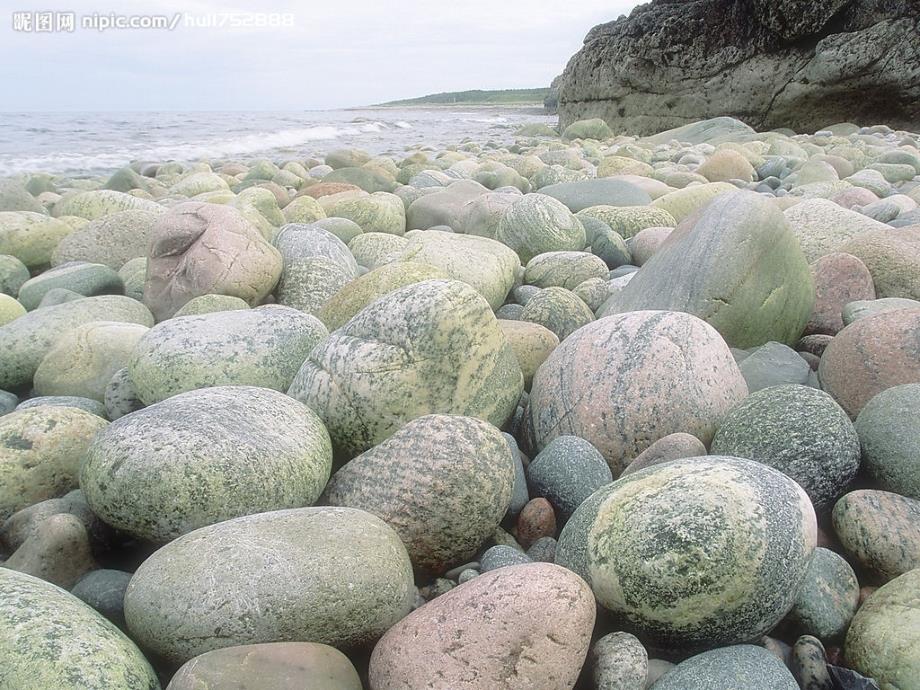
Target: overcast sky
<point>337,53</point>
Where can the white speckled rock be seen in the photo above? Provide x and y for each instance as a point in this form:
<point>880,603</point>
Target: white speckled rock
<point>695,553</point>
<point>430,347</point>
<point>262,347</point>
<point>729,668</point>
<point>537,223</point>
<point>337,576</point>
<point>625,381</point>
<point>50,639</point>
<point>205,456</point>
<point>523,627</point>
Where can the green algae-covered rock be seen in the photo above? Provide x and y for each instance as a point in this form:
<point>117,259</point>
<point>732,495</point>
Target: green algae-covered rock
<point>673,373</point>
<point>892,257</point>
<point>31,237</point>
<point>83,363</point>
<point>370,181</point>
<point>890,439</point>
<point>80,277</point>
<point>346,230</point>
<point>738,268</point>
<point>430,347</point>
<point>102,202</point>
<point>486,265</point>
<point>13,273</point>
<point>25,341</point>
<point>799,431</point>
<point>15,197</point>
<point>51,639</point>
<point>729,668</point>
<point>208,304</point>
<point>378,212</point>
<point>883,641</point>
<point>532,344</point>
<point>628,221</point>
<point>112,240</point>
<point>823,227</point>
<point>205,456</point>
<point>373,249</point>
<point>357,294</point>
<point>536,223</point>
<point>337,576</point>
<point>303,209</point>
<point>594,128</point>
<point>684,202</point>
<point>879,530</point>
<point>273,665</point>
<point>560,310</point>
<point>307,284</point>
<point>563,269</point>
<point>827,599</point>
<point>198,183</point>
<point>10,309</point>
<point>728,574</point>
<point>41,449</point>
<point>442,482</point>
<point>264,347</point>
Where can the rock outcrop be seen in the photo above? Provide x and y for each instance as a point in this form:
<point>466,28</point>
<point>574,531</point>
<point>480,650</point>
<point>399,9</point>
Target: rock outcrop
<point>770,63</point>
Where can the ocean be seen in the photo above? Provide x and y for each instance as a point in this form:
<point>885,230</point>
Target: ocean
<point>90,144</point>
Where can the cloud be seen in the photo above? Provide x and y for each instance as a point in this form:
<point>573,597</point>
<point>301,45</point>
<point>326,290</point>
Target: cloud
<point>342,53</point>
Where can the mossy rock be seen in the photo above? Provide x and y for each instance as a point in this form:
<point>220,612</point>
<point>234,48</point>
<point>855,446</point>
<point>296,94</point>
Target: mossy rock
<point>83,278</point>
<point>628,221</point>
<point>536,223</point>
<point>31,237</point>
<point>102,202</point>
<point>594,128</point>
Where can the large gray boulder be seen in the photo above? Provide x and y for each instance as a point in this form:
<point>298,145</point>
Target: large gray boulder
<point>803,65</point>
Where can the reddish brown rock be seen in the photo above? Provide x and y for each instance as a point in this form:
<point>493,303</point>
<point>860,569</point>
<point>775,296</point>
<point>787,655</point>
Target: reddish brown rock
<point>814,344</point>
<point>524,627</point>
<point>536,520</point>
<point>274,666</point>
<point>327,188</point>
<point>671,447</point>
<point>839,279</point>
<point>871,355</point>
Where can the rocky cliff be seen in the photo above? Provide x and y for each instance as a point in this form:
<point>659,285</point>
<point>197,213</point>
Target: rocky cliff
<point>802,64</point>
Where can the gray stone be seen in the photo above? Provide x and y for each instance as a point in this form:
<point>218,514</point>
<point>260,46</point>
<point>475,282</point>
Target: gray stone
<point>729,668</point>
<point>566,472</point>
<point>828,598</point>
<point>104,590</point>
<point>87,404</point>
<point>13,273</point>
<point>501,556</point>
<point>120,396</point>
<point>774,364</point>
<point>618,662</point>
<point>890,439</point>
<point>583,194</point>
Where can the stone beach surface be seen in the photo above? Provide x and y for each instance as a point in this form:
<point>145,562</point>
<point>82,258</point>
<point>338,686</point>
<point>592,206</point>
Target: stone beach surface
<point>587,410</point>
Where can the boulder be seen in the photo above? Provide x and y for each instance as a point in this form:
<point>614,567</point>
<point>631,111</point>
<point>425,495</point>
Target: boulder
<point>822,227</point>
<point>893,259</point>
<point>839,279</point>
<point>729,668</point>
<point>563,269</point>
<point>112,240</point>
<point>537,223</point>
<point>532,344</point>
<point>31,237</point>
<point>890,439</point>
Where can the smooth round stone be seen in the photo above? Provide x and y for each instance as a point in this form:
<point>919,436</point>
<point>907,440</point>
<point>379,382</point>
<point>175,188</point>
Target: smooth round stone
<point>208,304</point>
<point>30,237</point>
<point>893,259</point>
<point>890,439</point>
<point>120,396</point>
<point>870,356</point>
<point>861,309</point>
<point>57,551</point>
<point>433,347</point>
<point>827,598</point>
<point>369,180</point>
<point>645,243</point>
<point>671,447</point>
<point>50,639</point>
<point>16,197</point>
<point>528,625</point>
<point>8,402</point>
<point>262,347</point>
<point>307,284</point>
<point>298,241</point>
<point>537,223</point>
<point>674,373</point>
<point>97,203</point>
<point>10,309</point>
<point>112,240</point>
<point>839,279</point>
<point>799,431</point>
<point>618,662</point>
<point>537,520</point>
<point>543,550</point>
<point>684,202</point>
<point>729,668</point>
<point>134,275</point>
<point>304,209</point>
<point>58,296</point>
<point>774,364</point>
<point>747,275</point>
<point>343,228</point>
<point>373,249</point>
<point>83,363</point>
<point>566,472</point>
<point>808,663</point>
<point>593,292</point>
<point>88,404</point>
<point>275,665</point>
<point>725,165</point>
<point>336,576</point>
<point>13,273</point>
<point>822,227</point>
<point>559,310</point>
<point>563,269</point>
<point>591,128</point>
<point>25,341</point>
<point>40,453</point>
<point>883,641</point>
<point>442,482</point>
<point>104,590</point>
<point>532,344</point>
<point>582,194</point>
<point>879,529</point>
<point>25,523</point>
<point>502,556</point>
<point>628,221</point>
<point>747,534</point>
<point>205,456</point>
<point>377,212</point>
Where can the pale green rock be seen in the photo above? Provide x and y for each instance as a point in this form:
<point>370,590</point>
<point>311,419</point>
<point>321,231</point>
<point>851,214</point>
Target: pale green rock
<point>346,230</point>
<point>198,183</point>
<point>594,128</point>
<point>486,265</point>
<point>260,207</point>
<point>430,347</point>
<point>369,180</point>
<point>303,209</point>
<point>13,273</point>
<point>828,598</point>
<point>307,284</point>
<point>208,304</point>
<point>536,223</point>
<point>263,347</point>
<point>559,310</point>
<point>15,197</point>
<point>482,214</point>
<point>10,309</point>
<point>739,268</point>
<point>890,439</point>
<point>101,202</point>
<point>377,212</point>
<point>59,296</point>
<point>892,257</point>
<point>88,404</point>
<point>628,221</point>
<point>31,237</point>
<point>372,249</point>
<point>83,278</point>
<point>83,363</point>
<point>134,275</point>
<point>112,240</point>
<point>51,639</point>
<point>688,200</point>
<point>822,227</point>
<point>25,341</point>
<point>338,576</point>
<point>883,641</point>
<point>203,457</point>
<point>563,269</point>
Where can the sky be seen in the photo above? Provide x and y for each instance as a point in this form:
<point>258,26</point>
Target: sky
<point>326,54</point>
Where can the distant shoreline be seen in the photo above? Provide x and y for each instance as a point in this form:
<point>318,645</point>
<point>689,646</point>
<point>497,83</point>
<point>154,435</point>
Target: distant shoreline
<point>536,107</point>
<point>475,97</point>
